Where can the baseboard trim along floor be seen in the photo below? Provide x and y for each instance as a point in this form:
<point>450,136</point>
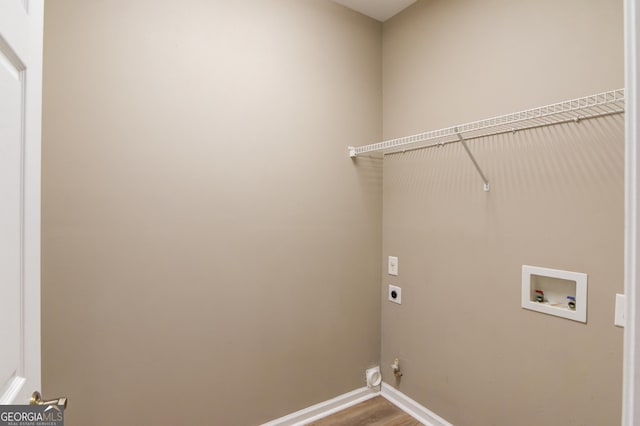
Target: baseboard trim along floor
<point>344,401</point>
<point>326,408</point>
<point>411,407</point>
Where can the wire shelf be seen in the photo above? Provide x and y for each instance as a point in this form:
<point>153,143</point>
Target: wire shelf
<point>598,105</point>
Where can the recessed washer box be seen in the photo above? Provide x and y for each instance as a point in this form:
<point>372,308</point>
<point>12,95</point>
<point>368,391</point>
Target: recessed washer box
<point>552,291</point>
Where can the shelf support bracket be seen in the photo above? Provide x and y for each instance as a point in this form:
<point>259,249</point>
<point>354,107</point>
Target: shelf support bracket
<point>475,163</point>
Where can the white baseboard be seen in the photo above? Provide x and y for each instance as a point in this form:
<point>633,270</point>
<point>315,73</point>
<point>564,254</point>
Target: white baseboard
<point>339,403</point>
<point>411,407</point>
<point>324,409</point>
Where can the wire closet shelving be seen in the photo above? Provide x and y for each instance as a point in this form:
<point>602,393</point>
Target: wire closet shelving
<point>574,110</point>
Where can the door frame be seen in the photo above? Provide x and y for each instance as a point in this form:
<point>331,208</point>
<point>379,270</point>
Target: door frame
<point>631,362</point>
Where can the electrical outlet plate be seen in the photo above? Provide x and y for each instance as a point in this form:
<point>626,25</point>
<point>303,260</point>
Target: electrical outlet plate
<point>395,294</point>
<point>393,265</point>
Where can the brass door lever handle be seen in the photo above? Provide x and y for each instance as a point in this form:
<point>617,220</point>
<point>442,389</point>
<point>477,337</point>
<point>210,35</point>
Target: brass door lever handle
<point>36,399</point>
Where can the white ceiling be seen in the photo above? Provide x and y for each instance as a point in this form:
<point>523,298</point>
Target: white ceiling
<point>377,9</point>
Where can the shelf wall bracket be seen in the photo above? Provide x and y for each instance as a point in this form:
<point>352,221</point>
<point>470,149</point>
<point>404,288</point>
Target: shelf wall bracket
<point>486,186</point>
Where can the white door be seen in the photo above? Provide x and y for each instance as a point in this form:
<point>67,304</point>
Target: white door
<point>21,30</point>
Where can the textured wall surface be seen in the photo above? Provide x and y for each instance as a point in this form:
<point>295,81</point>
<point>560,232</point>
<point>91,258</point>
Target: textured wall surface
<point>467,349</point>
<point>206,238</point>
<point>210,253</point>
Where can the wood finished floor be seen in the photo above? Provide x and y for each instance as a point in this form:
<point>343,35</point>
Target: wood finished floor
<point>375,411</point>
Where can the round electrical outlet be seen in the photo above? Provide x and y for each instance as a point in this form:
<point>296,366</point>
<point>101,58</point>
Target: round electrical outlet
<point>395,294</point>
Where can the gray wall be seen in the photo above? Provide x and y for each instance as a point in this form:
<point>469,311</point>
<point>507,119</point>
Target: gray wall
<point>206,239</point>
<point>210,253</point>
<point>467,349</point>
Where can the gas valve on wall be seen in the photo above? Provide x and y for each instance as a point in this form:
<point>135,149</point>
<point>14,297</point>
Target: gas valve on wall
<point>396,368</point>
